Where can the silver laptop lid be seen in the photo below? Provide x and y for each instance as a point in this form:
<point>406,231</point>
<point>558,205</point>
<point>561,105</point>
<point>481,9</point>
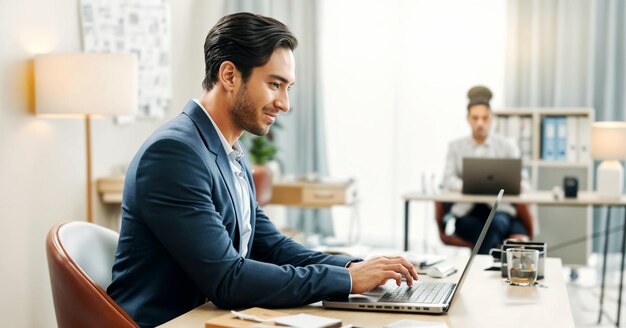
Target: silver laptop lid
<point>479,242</point>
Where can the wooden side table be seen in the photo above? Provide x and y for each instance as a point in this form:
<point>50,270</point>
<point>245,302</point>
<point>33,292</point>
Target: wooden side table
<point>111,189</point>
<point>314,194</point>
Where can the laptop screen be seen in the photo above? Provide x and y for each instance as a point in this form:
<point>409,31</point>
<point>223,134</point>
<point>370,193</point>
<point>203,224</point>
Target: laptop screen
<point>486,176</point>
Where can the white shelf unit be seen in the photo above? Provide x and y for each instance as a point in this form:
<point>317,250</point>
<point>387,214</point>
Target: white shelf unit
<point>557,224</point>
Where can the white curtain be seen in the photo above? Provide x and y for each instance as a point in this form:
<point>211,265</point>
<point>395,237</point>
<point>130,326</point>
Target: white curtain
<point>549,51</point>
<point>569,53</point>
<point>300,139</point>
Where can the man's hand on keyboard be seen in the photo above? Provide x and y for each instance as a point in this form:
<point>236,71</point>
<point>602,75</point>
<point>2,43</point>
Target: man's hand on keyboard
<point>366,275</point>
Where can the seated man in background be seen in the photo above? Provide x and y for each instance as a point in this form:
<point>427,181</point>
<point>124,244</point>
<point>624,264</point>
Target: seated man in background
<point>470,218</point>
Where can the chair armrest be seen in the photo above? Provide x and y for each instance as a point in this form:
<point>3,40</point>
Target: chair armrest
<point>441,209</point>
<point>524,215</point>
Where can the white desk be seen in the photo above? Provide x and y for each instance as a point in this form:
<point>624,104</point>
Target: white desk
<point>484,301</point>
<point>535,197</point>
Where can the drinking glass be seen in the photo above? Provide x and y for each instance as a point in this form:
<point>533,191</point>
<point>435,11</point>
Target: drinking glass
<point>522,266</point>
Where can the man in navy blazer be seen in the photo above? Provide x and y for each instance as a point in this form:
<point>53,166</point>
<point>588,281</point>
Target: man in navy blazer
<point>191,229</point>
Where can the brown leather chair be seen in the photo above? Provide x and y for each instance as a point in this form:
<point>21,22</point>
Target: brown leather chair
<point>441,209</point>
<point>80,258</point>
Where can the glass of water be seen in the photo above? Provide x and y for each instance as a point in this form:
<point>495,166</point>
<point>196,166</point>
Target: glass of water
<point>522,266</point>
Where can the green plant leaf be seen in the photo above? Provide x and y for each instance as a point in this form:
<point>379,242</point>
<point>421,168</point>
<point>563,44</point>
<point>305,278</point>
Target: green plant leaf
<point>261,150</point>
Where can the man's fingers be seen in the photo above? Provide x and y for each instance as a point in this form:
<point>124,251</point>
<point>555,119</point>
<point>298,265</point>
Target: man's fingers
<point>395,276</point>
<point>380,269</point>
<point>414,273</point>
<point>402,271</point>
<point>405,272</point>
<point>407,268</point>
<point>411,269</point>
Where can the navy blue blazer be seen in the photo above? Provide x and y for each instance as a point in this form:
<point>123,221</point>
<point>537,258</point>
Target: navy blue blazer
<point>180,239</point>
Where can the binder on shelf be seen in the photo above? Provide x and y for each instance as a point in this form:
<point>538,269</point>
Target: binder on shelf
<point>513,129</point>
<point>526,137</point>
<point>561,138</point>
<point>584,130</point>
<point>548,138</point>
<point>500,125</point>
<point>572,139</point>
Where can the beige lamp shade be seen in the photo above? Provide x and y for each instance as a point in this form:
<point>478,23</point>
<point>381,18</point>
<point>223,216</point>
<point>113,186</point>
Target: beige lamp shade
<point>608,140</point>
<point>85,84</point>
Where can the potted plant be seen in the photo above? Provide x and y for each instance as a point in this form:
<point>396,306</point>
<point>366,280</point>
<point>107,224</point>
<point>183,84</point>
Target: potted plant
<point>261,149</point>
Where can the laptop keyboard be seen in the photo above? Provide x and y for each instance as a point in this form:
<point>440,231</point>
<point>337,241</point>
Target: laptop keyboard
<point>429,293</point>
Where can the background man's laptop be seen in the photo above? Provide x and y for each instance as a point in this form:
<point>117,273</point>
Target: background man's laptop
<point>485,176</point>
<point>423,297</point>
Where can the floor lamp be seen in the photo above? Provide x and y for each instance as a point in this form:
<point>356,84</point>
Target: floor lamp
<point>86,85</point>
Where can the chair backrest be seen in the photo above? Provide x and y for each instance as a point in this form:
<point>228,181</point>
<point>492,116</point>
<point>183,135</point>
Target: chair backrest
<point>80,259</point>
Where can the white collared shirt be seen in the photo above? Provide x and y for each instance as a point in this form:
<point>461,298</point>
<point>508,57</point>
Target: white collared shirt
<point>494,146</point>
<point>242,187</point>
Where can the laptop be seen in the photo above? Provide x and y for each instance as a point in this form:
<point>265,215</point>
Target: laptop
<point>422,297</point>
<point>486,176</point>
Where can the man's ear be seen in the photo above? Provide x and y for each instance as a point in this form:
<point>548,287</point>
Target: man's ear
<point>228,75</point>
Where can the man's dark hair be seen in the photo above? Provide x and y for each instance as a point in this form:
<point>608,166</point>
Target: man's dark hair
<point>479,95</point>
<point>247,40</point>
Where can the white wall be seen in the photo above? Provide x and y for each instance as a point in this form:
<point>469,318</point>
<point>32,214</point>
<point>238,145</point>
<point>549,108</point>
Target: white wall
<point>395,76</point>
<point>42,161</point>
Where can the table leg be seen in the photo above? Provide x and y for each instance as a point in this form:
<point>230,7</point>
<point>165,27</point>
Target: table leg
<point>621,272</point>
<point>406,225</point>
<point>606,248</point>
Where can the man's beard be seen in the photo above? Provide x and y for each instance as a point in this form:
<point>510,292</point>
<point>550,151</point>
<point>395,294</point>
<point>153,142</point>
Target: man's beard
<point>481,133</point>
<point>244,113</point>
